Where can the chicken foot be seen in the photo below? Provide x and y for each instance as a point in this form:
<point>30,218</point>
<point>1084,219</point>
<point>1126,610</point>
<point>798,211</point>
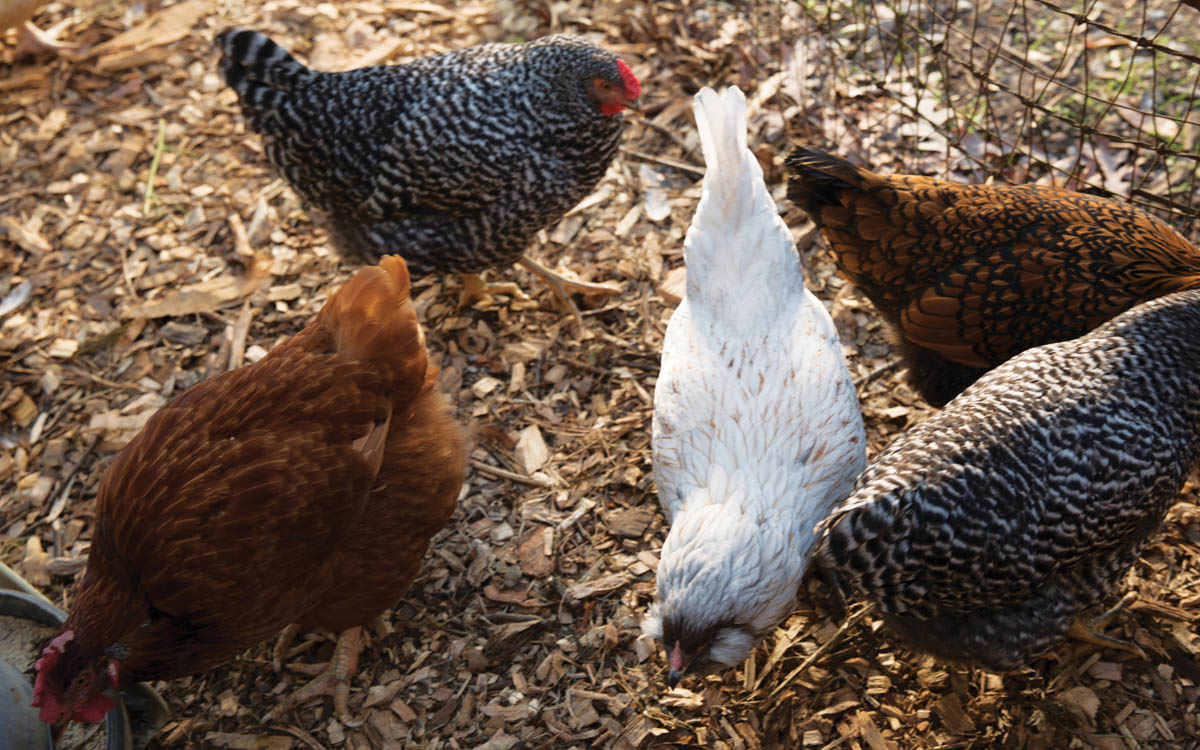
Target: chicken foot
<point>562,285</point>
<point>1087,629</point>
<point>475,288</point>
<point>332,679</point>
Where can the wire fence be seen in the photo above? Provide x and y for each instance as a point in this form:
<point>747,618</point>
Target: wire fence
<point>1089,95</point>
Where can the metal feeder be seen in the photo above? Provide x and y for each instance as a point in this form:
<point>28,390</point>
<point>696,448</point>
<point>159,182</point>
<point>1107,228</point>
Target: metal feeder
<point>137,713</point>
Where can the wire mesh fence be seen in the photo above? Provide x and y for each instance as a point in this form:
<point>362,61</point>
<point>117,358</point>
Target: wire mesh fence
<point>1102,96</point>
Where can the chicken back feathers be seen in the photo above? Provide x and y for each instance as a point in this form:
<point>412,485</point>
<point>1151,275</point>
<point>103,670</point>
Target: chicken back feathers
<point>267,495</point>
<point>455,160</point>
<point>970,275</point>
<point>757,430</point>
<point>983,531</point>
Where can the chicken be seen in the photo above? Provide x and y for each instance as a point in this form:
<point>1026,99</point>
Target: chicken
<point>985,530</point>
<point>757,431</point>
<point>302,488</point>
<point>459,159</point>
<point>969,275</point>
<point>16,14</point>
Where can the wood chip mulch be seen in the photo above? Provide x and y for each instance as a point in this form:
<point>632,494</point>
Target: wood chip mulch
<point>146,244</point>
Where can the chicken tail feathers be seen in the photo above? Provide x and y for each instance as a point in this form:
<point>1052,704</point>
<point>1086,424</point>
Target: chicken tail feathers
<point>258,69</point>
<point>816,177</point>
<point>736,234</point>
<point>721,122</point>
<point>372,318</point>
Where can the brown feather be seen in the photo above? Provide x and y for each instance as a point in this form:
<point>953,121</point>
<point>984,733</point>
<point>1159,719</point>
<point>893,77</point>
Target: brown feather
<point>978,273</point>
<point>309,481</point>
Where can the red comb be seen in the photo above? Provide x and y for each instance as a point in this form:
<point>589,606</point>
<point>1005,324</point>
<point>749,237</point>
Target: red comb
<point>633,89</point>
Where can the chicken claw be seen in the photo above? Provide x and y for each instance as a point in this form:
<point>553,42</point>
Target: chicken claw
<point>562,285</point>
<point>1088,629</point>
<point>333,679</point>
<point>283,644</point>
<point>475,288</point>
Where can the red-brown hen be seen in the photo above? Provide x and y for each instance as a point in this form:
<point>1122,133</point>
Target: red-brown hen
<point>303,488</point>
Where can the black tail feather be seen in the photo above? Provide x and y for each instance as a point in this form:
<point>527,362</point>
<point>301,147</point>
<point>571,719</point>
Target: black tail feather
<point>815,177</point>
<point>258,69</point>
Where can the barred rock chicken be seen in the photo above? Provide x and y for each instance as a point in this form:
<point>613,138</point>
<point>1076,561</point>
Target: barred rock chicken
<point>969,275</point>
<point>455,161</point>
<point>985,530</point>
<point>302,488</point>
<point>16,14</point>
<point>757,430</point>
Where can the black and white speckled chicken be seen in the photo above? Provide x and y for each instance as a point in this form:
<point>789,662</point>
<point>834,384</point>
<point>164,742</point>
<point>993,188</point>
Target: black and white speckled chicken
<point>969,275</point>
<point>983,532</point>
<point>455,161</point>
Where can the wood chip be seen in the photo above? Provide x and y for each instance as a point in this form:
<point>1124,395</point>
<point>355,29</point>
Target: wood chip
<point>603,585</point>
<point>531,452</point>
<point>950,708</point>
<point>630,522</point>
<point>674,286</point>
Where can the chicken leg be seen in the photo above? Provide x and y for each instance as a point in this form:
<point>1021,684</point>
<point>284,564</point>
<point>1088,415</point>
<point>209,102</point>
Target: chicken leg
<point>1088,629</point>
<point>332,679</point>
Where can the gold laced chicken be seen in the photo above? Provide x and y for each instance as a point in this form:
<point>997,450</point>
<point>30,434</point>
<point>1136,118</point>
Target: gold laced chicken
<point>970,275</point>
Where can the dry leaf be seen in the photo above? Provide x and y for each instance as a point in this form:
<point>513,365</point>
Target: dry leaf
<point>25,237</point>
<point>532,554</point>
<point>1081,701</point>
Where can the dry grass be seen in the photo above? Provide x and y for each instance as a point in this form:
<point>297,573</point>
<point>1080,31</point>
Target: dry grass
<point>161,249</point>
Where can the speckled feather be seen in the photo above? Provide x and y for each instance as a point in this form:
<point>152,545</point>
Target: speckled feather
<point>970,275</point>
<point>757,428</point>
<point>984,530</point>
<point>454,160</point>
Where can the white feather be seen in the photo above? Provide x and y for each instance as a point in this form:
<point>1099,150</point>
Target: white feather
<point>757,429</point>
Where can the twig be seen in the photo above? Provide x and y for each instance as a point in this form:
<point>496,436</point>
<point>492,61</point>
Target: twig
<point>665,161</point>
<point>823,649</point>
<point>874,374</point>
<point>506,474</point>
<point>69,475</point>
<point>159,145</point>
<point>687,150</point>
<point>125,273</point>
<point>237,343</point>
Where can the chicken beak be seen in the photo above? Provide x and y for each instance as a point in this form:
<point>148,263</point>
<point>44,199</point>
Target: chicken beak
<point>634,105</point>
<point>677,664</point>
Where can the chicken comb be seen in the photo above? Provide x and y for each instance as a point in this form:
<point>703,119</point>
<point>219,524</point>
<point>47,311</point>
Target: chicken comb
<point>633,87</point>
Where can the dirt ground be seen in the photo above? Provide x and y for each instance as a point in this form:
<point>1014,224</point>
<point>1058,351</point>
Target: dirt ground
<point>159,249</point>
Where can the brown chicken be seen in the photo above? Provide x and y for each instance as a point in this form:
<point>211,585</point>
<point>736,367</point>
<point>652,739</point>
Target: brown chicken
<point>969,275</point>
<point>303,488</point>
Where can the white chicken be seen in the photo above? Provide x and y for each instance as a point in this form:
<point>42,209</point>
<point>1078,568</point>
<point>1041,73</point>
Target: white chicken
<point>757,428</point>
